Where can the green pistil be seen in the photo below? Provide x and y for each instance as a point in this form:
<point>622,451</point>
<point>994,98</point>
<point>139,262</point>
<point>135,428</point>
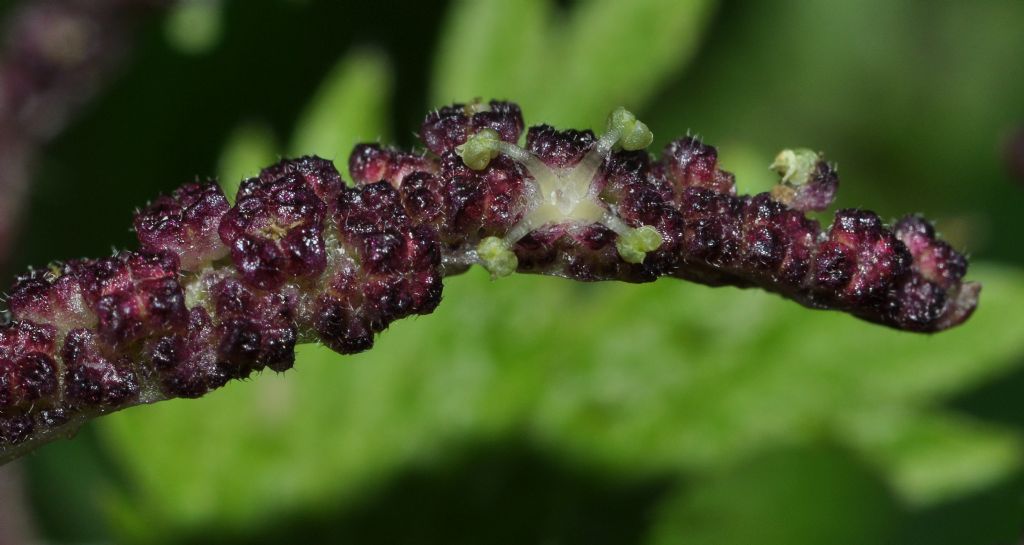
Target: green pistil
<point>634,244</point>
<point>497,257</point>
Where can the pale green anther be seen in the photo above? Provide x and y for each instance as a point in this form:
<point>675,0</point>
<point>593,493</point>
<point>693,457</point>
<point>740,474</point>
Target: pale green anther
<point>634,244</point>
<point>496,256</point>
<point>638,138</point>
<point>479,149</point>
<point>633,134</point>
<point>796,165</point>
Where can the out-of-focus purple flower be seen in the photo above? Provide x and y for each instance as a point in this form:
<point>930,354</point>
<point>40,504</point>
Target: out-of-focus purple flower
<point>54,56</point>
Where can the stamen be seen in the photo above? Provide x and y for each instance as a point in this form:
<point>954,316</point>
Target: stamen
<point>625,130</point>
<point>497,257</point>
<point>633,244</point>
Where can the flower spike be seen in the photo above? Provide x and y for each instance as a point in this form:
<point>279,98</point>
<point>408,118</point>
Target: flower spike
<point>217,292</point>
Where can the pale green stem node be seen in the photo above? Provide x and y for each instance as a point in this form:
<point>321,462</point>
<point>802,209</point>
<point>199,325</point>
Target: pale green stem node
<point>634,244</point>
<point>796,166</point>
<point>480,148</point>
<point>497,257</point>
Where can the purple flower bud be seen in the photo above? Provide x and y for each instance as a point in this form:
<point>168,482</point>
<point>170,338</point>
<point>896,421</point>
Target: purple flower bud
<point>480,203</point>
<point>275,231</point>
<point>185,224</point>
<point>187,364</point>
<point>874,258</point>
<point>934,259</point>
<point>779,241</point>
<point>317,174</point>
<point>688,162</point>
<point>133,295</point>
<point>50,297</point>
<point>450,126</point>
<point>28,372</point>
<point>371,163</point>
<point>391,269</point>
<point>559,149</point>
<point>713,228</point>
<point>255,328</point>
<point>423,198</point>
<point>95,375</point>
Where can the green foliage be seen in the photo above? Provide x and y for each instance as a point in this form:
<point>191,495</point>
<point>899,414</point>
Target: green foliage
<point>779,499</point>
<point>639,380</point>
<point>935,456</point>
<point>351,106</point>
<point>566,69</point>
<point>195,26</point>
<point>248,149</point>
<point>491,48</point>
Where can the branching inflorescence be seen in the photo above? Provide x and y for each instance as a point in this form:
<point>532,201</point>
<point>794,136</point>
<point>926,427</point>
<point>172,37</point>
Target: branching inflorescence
<point>218,292</point>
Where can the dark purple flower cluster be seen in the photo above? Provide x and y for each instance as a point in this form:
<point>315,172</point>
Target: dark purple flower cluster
<point>386,268</point>
<point>218,292</point>
<point>185,223</point>
<point>445,129</point>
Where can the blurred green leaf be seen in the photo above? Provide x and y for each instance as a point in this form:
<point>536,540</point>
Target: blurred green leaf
<point>250,147</point>
<point>621,53</point>
<point>572,72</point>
<point>931,457</point>
<point>71,484</point>
<point>492,49</point>
<point>795,497</point>
<point>350,106</point>
<point>195,26</point>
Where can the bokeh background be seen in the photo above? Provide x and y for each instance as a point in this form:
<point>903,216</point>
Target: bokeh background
<point>535,410</point>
